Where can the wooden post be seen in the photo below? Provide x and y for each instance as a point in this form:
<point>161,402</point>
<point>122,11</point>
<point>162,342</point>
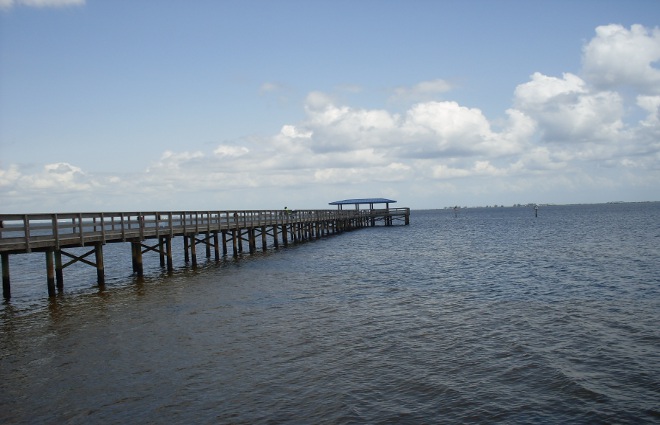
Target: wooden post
<point>285,242</point>
<point>264,245</point>
<point>275,241</point>
<point>215,246</point>
<point>234,242</point>
<point>161,250</point>
<point>185,249</point>
<point>207,242</point>
<point>137,259</point>
<point>6,286</point>
<point>50,272</point>
<point>59,273</point>
<point>193,251</point>
<point>251,240</point>
<point>168,247</point>
<point>134,257</point>
<point>224,243</point>
<point>100,269</point>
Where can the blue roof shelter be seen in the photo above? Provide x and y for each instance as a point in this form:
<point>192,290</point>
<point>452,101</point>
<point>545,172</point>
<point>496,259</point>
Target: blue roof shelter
<point>363,201</point>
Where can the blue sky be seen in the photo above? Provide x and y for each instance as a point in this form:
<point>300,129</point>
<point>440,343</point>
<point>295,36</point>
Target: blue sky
<point>160,105</point>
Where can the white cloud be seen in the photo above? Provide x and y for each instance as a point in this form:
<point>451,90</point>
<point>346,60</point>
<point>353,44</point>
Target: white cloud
<point>293,132</point>
<point>543,89</point>
<point>174,161</point>
<point>651,104</point>
<point>618,56</point>
<point>566,111</point>
<point>10,176</point>
<point>225,151</point>
<point>445,128</point>
<point>562,132</point>
<point>56,178</point>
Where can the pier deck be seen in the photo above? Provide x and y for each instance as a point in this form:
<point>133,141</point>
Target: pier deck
<point>53,233</point>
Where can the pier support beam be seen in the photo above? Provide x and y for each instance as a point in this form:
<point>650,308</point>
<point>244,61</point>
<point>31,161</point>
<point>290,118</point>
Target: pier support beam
<point>138,267</point>
<point>275,242</point>
<point>161,251</point>
<point>50,272</point>
<point>59,270</point>
<point>285,241</point>
<point>252,244</point>
<point>6,287</point>
<point>193,251</point>
<point>168,247</point>
<point>224,243</point>
<point>216,249</point>
<point>100,268</point>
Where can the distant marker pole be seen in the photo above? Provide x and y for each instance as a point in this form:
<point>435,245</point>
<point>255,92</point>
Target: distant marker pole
<point>536,210</point>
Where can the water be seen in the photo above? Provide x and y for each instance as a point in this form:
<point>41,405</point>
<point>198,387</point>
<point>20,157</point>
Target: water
<point>493,316</point>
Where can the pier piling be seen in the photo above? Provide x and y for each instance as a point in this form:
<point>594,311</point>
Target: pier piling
<point>6,286</point>
<point>55,234</point>
<point>50,271</point>
<point>100,269</point>
<point>59,270</point>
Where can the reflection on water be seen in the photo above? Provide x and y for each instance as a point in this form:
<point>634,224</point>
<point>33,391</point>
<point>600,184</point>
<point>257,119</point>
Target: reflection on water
<point>491,316</point>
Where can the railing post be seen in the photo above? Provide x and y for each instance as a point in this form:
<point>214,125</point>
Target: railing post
<point>81,230</point>
<point>26,232</point>
<point>141,224</point>
<point>56,231</point>
<point>102,228</point>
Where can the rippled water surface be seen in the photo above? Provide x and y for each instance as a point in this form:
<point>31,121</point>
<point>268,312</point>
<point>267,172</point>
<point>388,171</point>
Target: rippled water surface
<point>491,316</point>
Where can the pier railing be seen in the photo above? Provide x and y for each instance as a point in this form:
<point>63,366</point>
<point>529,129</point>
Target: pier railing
<point>154,231</point>
<point>24,233</point>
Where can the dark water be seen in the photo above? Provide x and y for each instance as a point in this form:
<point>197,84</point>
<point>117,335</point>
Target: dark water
<point>493,316</point>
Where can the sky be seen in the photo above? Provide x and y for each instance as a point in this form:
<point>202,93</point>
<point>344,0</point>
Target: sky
<point>145,105</point>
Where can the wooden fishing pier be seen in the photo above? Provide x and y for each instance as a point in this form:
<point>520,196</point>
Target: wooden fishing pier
<point>216,231</point>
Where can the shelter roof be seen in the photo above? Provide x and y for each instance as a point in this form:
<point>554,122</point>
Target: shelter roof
<point>363,201</point>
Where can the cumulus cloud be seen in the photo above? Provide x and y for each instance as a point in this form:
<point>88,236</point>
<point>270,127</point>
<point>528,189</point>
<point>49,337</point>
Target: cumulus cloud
<point>618,56</point>
<point>560,130</point>
<point>567,111</point>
